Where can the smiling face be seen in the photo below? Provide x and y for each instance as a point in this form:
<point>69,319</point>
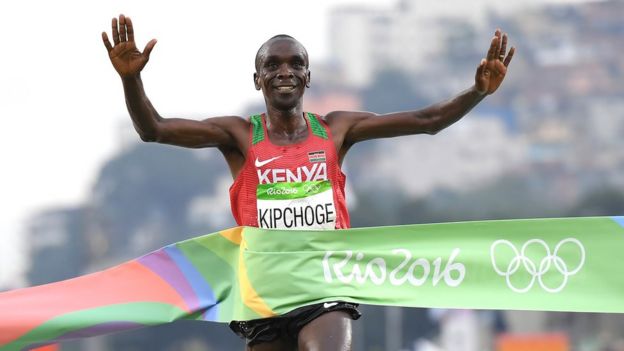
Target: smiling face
<point>282,72</point>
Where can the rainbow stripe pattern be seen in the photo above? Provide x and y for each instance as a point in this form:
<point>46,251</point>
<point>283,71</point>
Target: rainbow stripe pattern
<point>194,279</point>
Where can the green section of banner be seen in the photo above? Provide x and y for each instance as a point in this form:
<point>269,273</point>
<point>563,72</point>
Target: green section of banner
<point>542,264</point>
<point>568,264</point>
<point>290,191</point>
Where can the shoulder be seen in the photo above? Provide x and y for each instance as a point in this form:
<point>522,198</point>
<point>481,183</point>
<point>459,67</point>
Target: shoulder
<point>234,120</point>
<point>235,129</point>
<point>230,123</point>
<point>341,124</point>
<point>346,118</point>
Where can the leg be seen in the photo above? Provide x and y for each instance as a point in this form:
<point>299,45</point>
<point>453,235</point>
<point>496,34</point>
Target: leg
<point>329,332</point>
<point>275,345</point>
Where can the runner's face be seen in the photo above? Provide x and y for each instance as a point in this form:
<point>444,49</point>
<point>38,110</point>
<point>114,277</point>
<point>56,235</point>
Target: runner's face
<point>283,74</point>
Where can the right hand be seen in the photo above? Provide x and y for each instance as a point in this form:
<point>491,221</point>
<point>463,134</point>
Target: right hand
<point>125,57</point>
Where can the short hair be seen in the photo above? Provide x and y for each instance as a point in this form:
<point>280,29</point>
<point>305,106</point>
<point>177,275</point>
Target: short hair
<point>263,48</point>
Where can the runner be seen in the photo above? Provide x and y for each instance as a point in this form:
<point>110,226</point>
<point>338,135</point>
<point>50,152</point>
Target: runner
<point>286,162</point>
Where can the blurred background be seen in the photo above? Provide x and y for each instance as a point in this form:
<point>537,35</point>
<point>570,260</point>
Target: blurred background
<point>80,193</point>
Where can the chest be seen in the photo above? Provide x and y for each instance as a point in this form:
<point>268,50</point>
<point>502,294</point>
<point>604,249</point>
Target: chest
<point>291,164</point>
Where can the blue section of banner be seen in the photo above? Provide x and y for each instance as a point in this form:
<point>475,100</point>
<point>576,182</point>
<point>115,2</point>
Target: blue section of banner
<point>202,289</point>
<point>619,220</point>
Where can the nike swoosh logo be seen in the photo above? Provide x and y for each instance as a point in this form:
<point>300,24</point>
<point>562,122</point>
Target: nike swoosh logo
<point>329,304</point>
<point>262,163</point>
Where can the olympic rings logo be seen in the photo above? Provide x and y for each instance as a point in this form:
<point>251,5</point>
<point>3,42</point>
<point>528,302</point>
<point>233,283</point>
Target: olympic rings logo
<point>537,271</point>
<point>308,188</point>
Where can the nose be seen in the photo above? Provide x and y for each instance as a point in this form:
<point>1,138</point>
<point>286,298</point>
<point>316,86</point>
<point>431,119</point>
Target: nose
<point>285,72</point>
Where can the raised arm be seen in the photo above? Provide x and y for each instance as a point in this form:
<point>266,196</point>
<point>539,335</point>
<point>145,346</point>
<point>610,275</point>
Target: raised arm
<point>128,61</point>
<point>351,127</point>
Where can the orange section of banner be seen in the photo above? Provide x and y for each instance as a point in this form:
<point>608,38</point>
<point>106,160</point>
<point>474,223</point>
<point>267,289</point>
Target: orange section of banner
<point>53,347</point>
<point>533,342</point>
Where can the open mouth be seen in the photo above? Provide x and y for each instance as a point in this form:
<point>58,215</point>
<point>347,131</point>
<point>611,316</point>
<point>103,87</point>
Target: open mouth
<point>285,89</point>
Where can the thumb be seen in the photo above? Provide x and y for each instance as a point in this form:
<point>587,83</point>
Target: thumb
<point>149,47</point>
<point>481,68</point>
<point>480,77</point>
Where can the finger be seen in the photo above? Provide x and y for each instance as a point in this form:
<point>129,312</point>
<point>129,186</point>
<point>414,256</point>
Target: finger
<point>503,49</point>
<point>148,48</point>
<point>122,28</point>
<point>509,56</point>
<point>493,51</point>
<point>130,29</point>
<point>107,43</point>
<point>115,32</point>
<point>497,34</point>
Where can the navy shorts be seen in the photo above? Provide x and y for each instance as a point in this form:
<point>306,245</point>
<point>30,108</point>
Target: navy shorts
<point>287,326</point>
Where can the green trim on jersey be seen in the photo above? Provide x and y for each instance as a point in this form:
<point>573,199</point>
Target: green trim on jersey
<point>258,131</point>
<point>315,125</point>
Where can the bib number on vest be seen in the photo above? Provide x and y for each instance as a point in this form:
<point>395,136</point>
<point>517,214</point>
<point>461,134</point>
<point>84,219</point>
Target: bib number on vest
<point>296,205</point>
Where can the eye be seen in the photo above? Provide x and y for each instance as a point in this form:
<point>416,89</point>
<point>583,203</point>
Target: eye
<point>298,65</point>
<point>271,66</point>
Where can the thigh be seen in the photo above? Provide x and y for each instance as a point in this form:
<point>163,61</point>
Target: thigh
<point>329,332</point>
<point>275,345</point>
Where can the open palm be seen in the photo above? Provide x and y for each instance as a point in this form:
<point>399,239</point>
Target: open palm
<point>492,70</point>
<point>124,55</point>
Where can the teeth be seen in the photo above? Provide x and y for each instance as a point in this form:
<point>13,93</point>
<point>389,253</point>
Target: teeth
<point>285,89</point>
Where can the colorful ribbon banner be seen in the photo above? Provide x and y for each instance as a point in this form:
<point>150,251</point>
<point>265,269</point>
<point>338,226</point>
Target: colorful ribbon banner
<point>246,273</point>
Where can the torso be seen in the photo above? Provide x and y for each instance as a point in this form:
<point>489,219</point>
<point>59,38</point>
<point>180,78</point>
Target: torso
<point>294,186</point>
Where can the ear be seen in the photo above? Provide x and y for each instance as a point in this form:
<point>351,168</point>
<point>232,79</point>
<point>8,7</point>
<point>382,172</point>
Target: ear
<point>256,81</point>
<point>308,80</point>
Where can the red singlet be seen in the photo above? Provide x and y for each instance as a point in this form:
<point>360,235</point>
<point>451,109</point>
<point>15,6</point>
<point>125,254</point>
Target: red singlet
<point>298,186</point>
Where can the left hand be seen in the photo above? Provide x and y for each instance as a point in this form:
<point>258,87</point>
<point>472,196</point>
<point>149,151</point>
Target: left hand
<point>492,70</point>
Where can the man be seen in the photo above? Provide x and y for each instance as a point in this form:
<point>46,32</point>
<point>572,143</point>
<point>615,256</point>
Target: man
<point>286,162</point>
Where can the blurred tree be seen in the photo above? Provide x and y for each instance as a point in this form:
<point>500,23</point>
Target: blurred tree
<point>390,91</point>
<point>604,201</point>
<point>58,249</point>
<point>511,196</point>
<point>147,190</point>
<point>179,336</point>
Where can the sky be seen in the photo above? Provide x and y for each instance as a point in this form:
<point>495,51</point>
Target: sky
<point>62,105</point>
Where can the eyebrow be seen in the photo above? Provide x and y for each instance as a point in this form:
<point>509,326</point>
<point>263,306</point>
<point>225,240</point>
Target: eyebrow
<point>277,57</point>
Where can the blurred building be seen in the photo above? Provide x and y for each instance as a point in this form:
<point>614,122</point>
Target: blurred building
<point>411,35</point>
<point>366,40</point>
<point>469,154</point>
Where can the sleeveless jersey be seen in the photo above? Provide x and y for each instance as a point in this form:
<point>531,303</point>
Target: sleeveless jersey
<point>297,186</point>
